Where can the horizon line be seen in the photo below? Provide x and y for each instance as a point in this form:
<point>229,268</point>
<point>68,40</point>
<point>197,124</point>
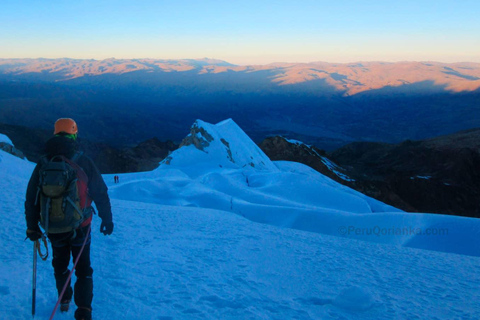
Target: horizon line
<point>249,64</point>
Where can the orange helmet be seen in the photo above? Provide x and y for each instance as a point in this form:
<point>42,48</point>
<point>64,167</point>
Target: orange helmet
<point>66,125</point>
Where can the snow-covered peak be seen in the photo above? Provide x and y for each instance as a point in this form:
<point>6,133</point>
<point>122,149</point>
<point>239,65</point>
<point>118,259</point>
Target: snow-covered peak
<point>223,144</point>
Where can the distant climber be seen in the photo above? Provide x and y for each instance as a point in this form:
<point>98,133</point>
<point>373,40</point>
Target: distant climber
<point>59,194</point>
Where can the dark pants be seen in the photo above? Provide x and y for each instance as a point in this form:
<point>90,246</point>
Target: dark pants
<point>62,246</point>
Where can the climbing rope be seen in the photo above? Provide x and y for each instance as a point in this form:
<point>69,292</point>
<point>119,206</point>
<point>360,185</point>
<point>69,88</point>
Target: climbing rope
<point>42,255</point>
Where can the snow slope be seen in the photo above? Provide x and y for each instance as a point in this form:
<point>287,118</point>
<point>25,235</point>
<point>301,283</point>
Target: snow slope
<point>182,249</point>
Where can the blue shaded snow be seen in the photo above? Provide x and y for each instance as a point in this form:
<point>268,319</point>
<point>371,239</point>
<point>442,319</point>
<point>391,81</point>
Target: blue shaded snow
<point>187,245</point>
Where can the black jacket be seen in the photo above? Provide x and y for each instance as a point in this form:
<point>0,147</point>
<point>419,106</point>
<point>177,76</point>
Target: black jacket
<point>97,188</point>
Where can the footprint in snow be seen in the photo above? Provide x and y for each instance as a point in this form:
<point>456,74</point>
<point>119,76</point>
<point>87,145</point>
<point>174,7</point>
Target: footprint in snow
<point>4,290</point>
<point>350,299</point>
<point>354,299</point>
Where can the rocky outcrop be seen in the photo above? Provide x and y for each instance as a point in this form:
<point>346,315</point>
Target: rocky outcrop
<point>439,175</point>
<point>198,137</point>
<point>280,148</point>
<point>12,150</point>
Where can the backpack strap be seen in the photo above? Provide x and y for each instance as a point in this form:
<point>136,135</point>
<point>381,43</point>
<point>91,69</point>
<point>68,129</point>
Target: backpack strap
<point>43,161</point>
<point>82,176</point>
<point>74,205</point>
<point>47,219</point>
<point>77,156</point>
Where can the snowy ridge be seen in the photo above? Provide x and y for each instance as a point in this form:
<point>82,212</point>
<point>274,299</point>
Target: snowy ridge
<point>327,162</point>
<point>5,139</point>
<point>297,142</point>
<point>172,256</point>
<point>335,169</point>
<point>7,145</point>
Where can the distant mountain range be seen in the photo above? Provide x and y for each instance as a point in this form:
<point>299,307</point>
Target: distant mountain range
<point>124,102</point>
<point>351,78</point>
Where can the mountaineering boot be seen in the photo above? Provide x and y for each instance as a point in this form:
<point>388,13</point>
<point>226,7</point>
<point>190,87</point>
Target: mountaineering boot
<point>65,302</point>
<point>64,305</point>
<point>83,313</point>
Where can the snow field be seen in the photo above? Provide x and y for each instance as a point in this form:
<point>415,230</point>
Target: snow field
<point>300,198</point>
<point>188,244</point>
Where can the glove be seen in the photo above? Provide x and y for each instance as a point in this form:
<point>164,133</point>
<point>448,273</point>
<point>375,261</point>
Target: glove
<point>106,228</point>
<point>34,235</point>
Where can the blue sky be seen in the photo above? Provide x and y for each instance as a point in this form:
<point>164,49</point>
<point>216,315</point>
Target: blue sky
<point>243,32</point>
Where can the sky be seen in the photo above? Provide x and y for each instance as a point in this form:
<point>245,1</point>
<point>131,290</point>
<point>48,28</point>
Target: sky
<point>243,32</point>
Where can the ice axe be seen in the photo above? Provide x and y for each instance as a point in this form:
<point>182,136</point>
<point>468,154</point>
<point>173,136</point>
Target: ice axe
<point>36,248</point>
<point>34,280</point>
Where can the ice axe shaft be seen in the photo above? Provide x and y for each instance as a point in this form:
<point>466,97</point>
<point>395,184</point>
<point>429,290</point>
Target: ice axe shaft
<point>34,277</point>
